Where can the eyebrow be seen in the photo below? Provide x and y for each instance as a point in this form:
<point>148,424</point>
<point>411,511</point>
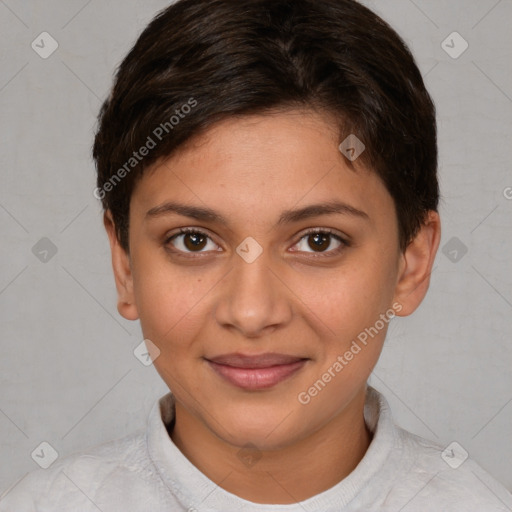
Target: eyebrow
<point>287,217</point>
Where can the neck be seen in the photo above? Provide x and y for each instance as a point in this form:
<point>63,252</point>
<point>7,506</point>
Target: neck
<point>281,476</point>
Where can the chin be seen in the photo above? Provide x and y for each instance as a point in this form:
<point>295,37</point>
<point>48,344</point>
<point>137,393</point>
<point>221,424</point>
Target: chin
<point>268,428</point>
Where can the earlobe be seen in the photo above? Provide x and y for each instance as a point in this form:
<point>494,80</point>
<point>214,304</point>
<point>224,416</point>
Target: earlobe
<point>122,272</point>
<point>416,265</point>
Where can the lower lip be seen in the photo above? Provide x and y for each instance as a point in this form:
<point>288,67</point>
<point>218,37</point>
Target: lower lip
<point>257,378</point>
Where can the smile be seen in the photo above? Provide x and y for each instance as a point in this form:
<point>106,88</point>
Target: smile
<point>256,372</point>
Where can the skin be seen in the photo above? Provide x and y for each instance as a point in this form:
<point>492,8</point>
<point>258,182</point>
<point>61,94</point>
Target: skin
<point>295,298</point>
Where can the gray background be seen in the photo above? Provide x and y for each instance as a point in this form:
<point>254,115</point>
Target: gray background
<point>68,375</point>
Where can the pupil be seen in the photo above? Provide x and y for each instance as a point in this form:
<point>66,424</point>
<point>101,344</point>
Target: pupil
<point>320,240</point>
<point>197,241</point>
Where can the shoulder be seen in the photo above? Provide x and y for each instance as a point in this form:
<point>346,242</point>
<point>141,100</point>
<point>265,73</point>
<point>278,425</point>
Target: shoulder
<point>75,481</point>
<point>446,477</point>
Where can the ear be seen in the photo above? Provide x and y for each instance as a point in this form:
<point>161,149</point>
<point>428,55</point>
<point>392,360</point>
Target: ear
<point>416,265</point>
<point>122,272</point>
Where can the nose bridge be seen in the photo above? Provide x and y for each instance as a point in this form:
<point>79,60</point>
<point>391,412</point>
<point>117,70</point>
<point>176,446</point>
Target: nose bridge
<point>255,298</point>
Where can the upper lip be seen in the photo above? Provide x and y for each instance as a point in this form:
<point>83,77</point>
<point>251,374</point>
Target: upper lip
<point>255,361</point>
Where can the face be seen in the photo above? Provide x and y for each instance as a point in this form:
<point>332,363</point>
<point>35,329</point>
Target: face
<point>258,260</point>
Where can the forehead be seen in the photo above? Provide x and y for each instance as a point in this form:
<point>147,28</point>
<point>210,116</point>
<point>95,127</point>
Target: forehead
<point>257,166</point>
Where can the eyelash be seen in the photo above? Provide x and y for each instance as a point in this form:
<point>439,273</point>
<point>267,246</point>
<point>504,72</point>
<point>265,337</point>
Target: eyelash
<point>324,231</point>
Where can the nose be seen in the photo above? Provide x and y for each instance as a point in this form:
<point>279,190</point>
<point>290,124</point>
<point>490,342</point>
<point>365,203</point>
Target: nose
<point>254,300</point>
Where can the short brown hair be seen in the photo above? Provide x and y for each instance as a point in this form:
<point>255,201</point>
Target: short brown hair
<point>201,61</point>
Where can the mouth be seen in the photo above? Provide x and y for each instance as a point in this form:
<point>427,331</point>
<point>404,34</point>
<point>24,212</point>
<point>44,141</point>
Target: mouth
<point>256,372</point>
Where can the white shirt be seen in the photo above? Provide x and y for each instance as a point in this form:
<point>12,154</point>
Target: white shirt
<point>145,471</point>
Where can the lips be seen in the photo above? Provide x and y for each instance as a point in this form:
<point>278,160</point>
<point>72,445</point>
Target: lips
<point>261,361</point>
<point>256,372</point>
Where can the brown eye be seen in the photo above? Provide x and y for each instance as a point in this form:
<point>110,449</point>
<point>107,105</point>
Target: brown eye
<point>194,241</point>
<point>321,242</point>
<point>190,240</point>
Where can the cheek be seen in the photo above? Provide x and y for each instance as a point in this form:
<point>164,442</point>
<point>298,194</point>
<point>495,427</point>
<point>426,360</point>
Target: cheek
<point>170,300</point>
<point>346,300</point>
<point>350,303</point>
